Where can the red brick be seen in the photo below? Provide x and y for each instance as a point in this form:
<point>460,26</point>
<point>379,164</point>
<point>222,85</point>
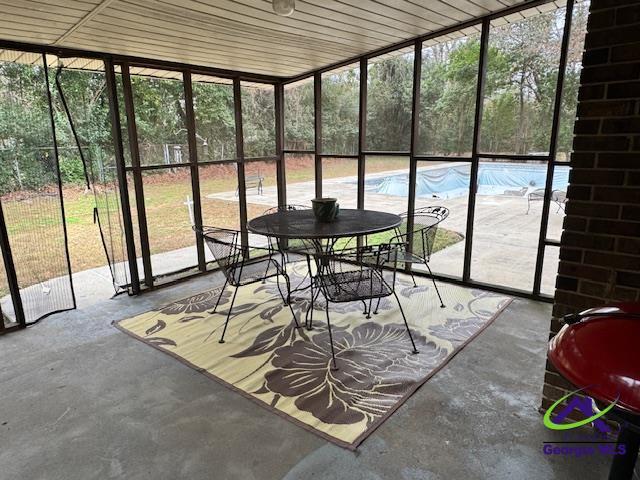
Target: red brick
<point>624,89</point>
<point>604,4</point>
<point>567,283</point>
<point>578,193</point>
<point>595,57</point>
<point>600,143</point>
<point>592,242</point>
<point>619,160</point>
<point>550,391</point>
<point>606,73</point>
<point>596,177</point>
<point>633,178</point>
<point>625,53</point>
<point>616,194</point>
<point>624,16</point>
<point>621,294</point>
<point>612,36</point>
<point>586,126</point>
<point>614,227</point>
<point>582,159</point>
<point>570,254</point>
<point>612,260</point>
<point>583,271</point>
<point>578,301</point>
<point>631,212</point>
<point>591,92</point>
<point>590,209</point>
<point>628,245</point>
<point>628,279</point>
<point>607,108</point>
<point>557,380</point>
<point>593,289</point>
<point>621,125</point>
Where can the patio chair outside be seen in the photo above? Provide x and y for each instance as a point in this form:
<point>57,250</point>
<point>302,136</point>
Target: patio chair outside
<point>559,197</point>
<point>238,269</point>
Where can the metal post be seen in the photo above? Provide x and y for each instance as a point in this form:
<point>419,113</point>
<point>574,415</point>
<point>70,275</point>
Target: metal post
<point>475,161</point>
<point>553,147</point>
<point>57,160</point>
<point>242,188</point>
<point>116,133</point>
<point>193,161</point>
<point>137,175</point>
<point>12,277</point>
<point>317,110</point>
<point>362,130</point>
<point>362,136</point>
<point>280,166</point>
<point>415,133</point>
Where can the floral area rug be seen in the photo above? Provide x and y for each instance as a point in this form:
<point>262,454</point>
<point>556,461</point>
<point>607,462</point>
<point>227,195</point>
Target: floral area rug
<point>288,370</point>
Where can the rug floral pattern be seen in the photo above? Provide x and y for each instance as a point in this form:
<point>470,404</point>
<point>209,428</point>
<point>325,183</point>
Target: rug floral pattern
<point>289,370</point>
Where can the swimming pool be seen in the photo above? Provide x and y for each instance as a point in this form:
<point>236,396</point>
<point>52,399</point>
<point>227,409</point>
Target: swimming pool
<point>453,181</point>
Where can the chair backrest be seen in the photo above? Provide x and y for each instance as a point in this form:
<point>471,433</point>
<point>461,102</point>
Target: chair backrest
<point>425,221</point>
<point>285,208</point>
<point>437,212</point>
<point>225,248</point>
<point>380,257</point>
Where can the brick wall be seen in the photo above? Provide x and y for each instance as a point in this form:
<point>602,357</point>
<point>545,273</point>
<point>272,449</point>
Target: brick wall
<point>600,247</point>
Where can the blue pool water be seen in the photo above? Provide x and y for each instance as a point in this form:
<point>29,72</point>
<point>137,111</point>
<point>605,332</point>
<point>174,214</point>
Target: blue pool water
<point>453,181</point>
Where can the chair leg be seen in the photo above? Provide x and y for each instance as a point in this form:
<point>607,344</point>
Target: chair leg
<point>442,305</point>
<point>365,307</point>
<point>224,330</point>
<point>284,300</point>
<point>314,297</point>
<point>375,312</point>
<point>219,297</point>
<point>413,277</point>
<point>306,316</point>
<point>415,350</point>
<point>288,282</point>
<point>333,353</point>
<point>369,312</point>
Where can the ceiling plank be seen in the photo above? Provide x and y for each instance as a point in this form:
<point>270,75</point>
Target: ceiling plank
<point>95,11</point>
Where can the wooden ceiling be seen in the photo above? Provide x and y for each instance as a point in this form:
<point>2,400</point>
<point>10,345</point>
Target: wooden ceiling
<point>242,35</point>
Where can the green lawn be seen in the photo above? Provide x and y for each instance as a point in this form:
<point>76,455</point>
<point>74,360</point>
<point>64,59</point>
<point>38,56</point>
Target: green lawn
<point>168,220</point>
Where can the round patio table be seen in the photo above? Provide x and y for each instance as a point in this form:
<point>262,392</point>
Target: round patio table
<point>302,224</point>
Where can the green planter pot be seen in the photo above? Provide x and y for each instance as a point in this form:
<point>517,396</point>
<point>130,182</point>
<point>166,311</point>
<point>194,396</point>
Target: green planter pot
<point>325,209</point>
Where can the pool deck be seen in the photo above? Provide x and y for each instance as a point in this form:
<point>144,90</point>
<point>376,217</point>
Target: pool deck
<point>505,237</point>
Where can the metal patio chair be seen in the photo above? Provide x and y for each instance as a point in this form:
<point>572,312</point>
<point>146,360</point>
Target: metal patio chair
<point>238,269</point>
<point>559,197</point>
<point>358,274</point>
<point>428,219</point>
<point>292,244</point>
<point>273,242</point>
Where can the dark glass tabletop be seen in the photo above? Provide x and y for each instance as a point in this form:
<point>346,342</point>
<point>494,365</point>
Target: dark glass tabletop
<point>303,224</point>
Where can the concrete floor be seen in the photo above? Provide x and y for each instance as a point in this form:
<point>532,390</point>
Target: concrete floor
<point>81,400</point>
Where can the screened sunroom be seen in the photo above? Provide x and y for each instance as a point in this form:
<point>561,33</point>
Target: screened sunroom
<point>209,176</point>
